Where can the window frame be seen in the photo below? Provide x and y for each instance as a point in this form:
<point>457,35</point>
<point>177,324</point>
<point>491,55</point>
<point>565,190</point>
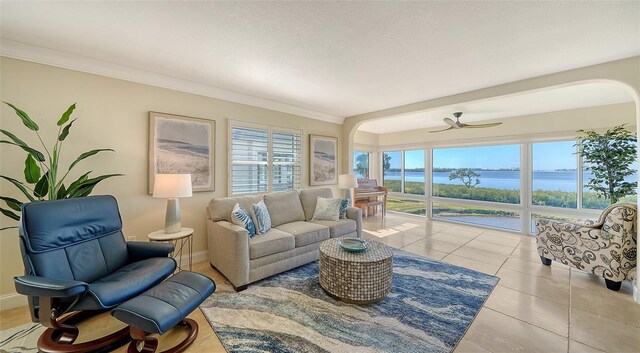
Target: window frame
<point>369,160</point>
<point>525,207</point>
<point>270,129</point>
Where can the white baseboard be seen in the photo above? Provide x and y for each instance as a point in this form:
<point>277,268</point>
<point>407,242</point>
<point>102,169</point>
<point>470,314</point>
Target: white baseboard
<point>13,300</point>
<point>200,256</point>
<point>636,291</point>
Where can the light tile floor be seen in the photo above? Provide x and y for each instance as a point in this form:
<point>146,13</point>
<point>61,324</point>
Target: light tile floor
<point>534,308</point>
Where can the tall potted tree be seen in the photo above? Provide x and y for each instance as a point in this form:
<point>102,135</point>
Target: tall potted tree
<point>609,157</point>
<point>43,177</point>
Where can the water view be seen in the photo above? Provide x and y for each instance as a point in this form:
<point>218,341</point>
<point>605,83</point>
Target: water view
<point>504,180</point>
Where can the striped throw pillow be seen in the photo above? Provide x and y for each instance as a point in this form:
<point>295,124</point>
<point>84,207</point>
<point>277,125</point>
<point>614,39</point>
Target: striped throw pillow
<point>262,217</point>
<point>240,216</point>
<point>344,204</point>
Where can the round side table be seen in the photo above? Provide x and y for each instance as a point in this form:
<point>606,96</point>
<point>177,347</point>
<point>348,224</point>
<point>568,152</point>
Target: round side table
<point>179,240</point>
<point>357,278</point>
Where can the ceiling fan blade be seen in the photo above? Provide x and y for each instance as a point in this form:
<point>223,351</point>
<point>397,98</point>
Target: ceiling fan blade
<point>450,122</point>
<point>480,125</point>
<point>449,128</point>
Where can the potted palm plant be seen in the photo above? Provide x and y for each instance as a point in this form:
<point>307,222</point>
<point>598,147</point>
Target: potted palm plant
<point>43,177</point>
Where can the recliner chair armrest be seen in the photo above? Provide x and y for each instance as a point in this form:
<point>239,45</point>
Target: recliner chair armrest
<point>47,287</point>
<point>141,250</point>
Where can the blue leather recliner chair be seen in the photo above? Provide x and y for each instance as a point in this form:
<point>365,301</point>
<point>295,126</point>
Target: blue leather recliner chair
<point>76,260</point>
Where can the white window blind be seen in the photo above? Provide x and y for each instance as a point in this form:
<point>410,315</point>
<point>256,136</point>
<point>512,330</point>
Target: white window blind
<point>264,159</point>
<point>249,160</point>
<point>287,160</point>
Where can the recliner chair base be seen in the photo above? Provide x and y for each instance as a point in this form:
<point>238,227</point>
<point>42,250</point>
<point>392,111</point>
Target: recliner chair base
<point>61,335</point>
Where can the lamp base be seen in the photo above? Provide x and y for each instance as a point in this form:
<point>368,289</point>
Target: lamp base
<point>172,218</point>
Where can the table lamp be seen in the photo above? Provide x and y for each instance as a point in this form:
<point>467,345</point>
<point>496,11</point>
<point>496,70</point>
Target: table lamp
<point>348,182</point>
<point>171,187</point>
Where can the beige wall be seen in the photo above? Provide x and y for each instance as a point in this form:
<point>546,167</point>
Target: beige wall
<point>114,114</point>
<point>561,123</point>
<point>363,138</point>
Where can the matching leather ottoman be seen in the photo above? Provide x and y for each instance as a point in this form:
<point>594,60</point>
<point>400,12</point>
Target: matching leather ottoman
<point>164,306</point>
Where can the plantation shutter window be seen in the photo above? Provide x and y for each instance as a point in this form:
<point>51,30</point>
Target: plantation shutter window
<point>264,158</point>
<point>287,160</point>
<point>249,160</point>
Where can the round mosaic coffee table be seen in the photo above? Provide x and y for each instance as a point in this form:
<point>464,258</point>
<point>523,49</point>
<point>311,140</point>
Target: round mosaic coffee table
<point>357,278</point>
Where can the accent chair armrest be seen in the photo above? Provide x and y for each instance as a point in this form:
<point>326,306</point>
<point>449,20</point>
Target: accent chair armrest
<point>141,250</point>
<point>47,287</point>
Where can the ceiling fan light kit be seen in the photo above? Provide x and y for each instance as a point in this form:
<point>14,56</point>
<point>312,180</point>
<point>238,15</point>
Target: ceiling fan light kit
<point>458,125</point>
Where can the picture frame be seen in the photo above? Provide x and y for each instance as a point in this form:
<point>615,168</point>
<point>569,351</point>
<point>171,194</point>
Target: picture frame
<point>323,157</point>
<point>182,145</point>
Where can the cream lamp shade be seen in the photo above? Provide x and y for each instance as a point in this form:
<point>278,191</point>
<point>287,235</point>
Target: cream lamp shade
<point>171,187</point>
<point>347,181</point>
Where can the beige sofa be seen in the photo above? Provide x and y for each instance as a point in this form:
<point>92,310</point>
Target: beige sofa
<point>293,240</point>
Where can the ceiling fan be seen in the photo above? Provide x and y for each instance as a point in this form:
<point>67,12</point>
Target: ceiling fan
<point>458,125</point>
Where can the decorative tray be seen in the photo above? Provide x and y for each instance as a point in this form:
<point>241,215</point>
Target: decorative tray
<point>353,245</point>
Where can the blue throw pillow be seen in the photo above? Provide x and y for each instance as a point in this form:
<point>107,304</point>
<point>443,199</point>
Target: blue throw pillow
<point>240,216</point>
<point>344,204</point>
<point>262,217</point>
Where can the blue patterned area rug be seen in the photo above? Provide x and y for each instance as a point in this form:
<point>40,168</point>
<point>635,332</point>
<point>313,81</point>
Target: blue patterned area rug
<point>429,308</point>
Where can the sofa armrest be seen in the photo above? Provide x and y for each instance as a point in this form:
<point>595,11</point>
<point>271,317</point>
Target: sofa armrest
<point>141,250</point>
<point>355,214</point>
<point>37,286</point>
<point>229,250</point>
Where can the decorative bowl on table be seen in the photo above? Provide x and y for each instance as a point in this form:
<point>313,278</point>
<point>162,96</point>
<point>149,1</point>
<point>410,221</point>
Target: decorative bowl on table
<point>353,245</point>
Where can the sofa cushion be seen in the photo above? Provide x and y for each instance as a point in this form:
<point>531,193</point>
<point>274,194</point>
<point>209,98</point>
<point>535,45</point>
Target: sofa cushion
<point>284,207</point>
<point>272,242</point>
<point>309,197</point>
<point>125,283</point>
<point>338,228</point>
<point>305,233</point>
<point>220,208</point>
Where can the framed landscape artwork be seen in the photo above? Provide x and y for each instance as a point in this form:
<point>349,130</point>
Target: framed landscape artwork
<point>182,145</point>
<point>324,160</point>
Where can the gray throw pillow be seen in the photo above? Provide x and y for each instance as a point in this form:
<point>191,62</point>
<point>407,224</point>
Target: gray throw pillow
<point>327,209</point>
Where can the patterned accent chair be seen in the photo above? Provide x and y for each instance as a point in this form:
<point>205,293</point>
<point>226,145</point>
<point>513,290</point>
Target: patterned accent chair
<point>607,248</point>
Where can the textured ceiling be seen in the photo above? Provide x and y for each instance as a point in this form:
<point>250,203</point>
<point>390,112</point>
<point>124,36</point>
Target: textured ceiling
<point>335,58</point>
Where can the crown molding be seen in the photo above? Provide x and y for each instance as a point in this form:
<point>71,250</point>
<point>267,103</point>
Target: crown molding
<point>52,57</point>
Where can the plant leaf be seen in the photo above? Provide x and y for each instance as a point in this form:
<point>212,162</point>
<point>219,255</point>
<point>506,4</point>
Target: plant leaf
<point>88,154</point>
<point>31,170</point>
<point>74,186</point>
<point>42,187</point>
<point>62,193</point>
<point>26,120</point>
<point>65,117</point>
<point>9,214</point>
<point>65,131</point>
<point>85,187</point>
<point>19,185</point>
<point>35,153</point>
<point>12,203</point>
